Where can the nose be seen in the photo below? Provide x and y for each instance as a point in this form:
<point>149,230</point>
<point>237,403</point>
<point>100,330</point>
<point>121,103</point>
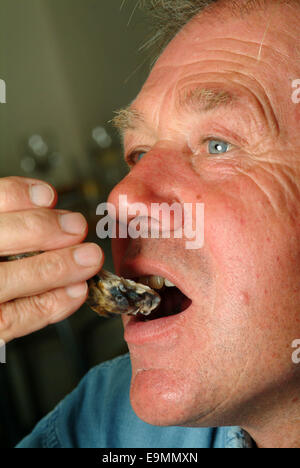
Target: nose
<point>158,178</point>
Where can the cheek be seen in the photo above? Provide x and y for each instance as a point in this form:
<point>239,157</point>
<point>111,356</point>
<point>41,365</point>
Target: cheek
<point>250,221</point>
<point>256,258</point>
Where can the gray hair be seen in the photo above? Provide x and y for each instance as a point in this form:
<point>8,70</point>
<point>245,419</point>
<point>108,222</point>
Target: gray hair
<point>170,16</point>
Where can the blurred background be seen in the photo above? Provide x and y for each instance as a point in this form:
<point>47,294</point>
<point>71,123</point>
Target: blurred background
<point>68,65</point>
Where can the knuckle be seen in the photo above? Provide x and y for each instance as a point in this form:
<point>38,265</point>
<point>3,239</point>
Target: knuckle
<point>33,222</point>
<point>6,320</point>
<point>4,282</point>
<point>44,305</point>
<point>51,266</point>
<point>22,316</point>
<point>10,191</point>
<point>25,223</point>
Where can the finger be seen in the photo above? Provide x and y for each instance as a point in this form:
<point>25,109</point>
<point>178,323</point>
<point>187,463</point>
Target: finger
<point>48,271</point>
<point>24,316</point>
<point>43,229</point>
<point>19,193</point>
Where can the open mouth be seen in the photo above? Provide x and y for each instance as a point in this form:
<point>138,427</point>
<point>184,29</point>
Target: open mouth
<point>173,301</point>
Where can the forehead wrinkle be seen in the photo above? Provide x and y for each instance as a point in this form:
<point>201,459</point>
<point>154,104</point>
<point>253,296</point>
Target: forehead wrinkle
<point>229,56</point>
<point>201,99</point>
<point>224,96</point>
<point>211,47</point>
<point>267,64</point>
<point>270,43</point>
<point>205,53</point>
<point>248,83</point>
<point>264,101</point>
<point>232,41</point>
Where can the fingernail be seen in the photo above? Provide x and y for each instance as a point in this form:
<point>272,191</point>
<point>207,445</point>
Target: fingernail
<point>73,223</point>
<point>88,255</point>
<point>41,195</point>
<point>77,290</point>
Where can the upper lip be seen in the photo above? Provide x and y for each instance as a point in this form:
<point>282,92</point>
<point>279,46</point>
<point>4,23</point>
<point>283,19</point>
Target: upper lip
<point>137,268</point>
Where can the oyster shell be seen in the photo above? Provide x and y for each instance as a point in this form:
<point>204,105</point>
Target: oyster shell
<point>11,258</point>
<point>109,295</point>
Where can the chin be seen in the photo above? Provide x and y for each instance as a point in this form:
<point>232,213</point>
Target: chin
<point>158,397</point>
<point>164,397</point>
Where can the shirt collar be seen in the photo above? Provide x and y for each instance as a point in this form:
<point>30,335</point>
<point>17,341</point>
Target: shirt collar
<point>235,437</point>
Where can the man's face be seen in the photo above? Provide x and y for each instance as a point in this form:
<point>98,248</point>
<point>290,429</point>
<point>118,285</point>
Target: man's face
<point>232,346</point>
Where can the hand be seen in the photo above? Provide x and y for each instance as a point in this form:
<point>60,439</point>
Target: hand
<point>47,288</point>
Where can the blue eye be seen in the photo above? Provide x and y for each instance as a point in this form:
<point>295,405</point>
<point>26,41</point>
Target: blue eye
<point>135,157</point>
<point>140,156</point>
<point>218,147</point>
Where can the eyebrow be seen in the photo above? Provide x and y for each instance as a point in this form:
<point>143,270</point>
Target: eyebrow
<point>203,99</point>
<point>127,119</point>
<point>198,100</point>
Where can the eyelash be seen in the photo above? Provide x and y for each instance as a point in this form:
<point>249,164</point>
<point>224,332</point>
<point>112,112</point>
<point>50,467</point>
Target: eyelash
<point>129,159</point>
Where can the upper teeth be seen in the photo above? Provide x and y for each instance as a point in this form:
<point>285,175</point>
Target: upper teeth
<point>155,282</point>
<point>169,284</point>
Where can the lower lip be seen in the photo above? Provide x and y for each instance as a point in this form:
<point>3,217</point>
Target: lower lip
<point>166,328</point>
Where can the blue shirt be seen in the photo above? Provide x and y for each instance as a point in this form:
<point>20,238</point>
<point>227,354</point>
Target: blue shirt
<point>98,414</point>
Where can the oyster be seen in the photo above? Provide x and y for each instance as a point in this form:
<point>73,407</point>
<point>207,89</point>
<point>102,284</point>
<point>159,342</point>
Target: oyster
<point>11,258</point>
<point>109,294</point>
